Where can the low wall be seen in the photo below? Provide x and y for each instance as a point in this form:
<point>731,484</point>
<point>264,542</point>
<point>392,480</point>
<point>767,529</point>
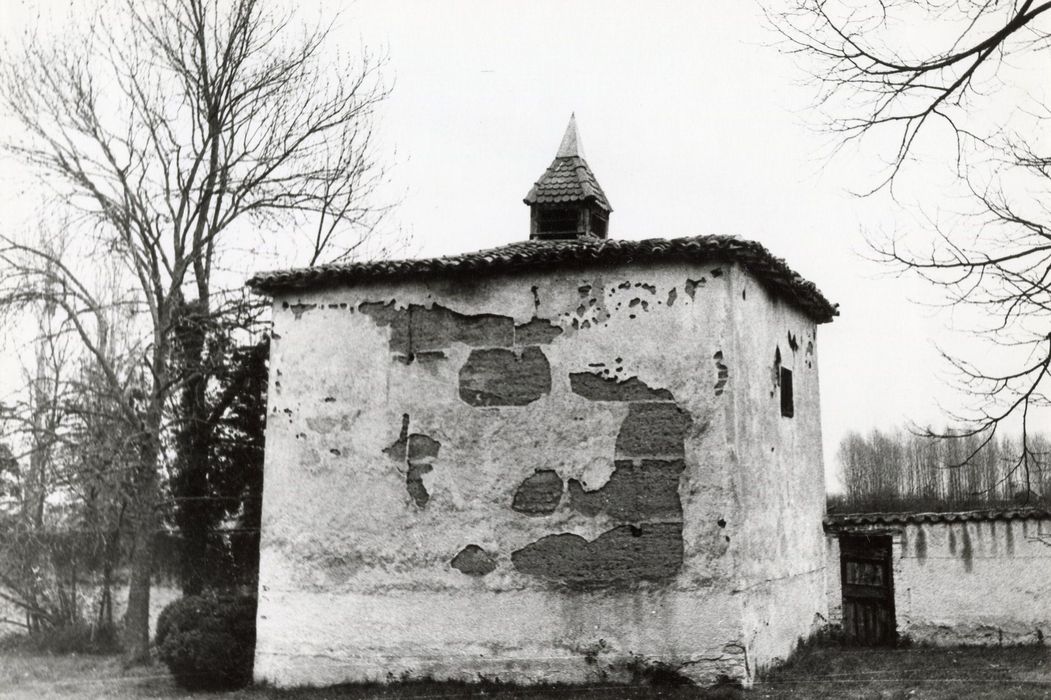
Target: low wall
<point>961,578</point>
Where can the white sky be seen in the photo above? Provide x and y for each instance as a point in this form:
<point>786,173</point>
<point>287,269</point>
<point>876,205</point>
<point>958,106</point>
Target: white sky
<point>692,123</point>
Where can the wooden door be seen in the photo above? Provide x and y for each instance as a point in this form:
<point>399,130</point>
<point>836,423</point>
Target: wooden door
<point>868,589</point>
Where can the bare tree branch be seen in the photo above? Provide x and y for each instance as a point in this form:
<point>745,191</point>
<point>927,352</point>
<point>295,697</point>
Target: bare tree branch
<point>170,132</point>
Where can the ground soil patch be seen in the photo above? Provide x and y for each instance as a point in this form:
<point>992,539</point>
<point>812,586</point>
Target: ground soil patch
<point>820,673</point>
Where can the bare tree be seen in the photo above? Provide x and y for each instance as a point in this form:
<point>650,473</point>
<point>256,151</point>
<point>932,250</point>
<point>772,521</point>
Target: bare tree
<point>905,69</point>
<point>40,561</point>
<point>35,424</point>
<point>175,132</point>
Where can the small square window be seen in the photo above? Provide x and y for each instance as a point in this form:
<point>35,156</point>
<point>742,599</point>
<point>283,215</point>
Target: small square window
<point>787,403</point>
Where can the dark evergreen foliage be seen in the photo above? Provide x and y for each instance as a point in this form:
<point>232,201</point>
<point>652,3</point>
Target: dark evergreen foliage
<point>217,482</point>
<point>208,642</point>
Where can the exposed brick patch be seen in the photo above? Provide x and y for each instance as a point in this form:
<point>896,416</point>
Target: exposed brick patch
<point>591,308</point>
<point>425,356</point>
<point>500,377</point>
<point>396,450</point>
<point>636,492</point>
<point>473,561</point>
<point>539,494</point>
<point>641,494</point>
<point>724,373</point>
<point>438,327</point>
<point>538,331</point>
<point>775,372</point>
<point>416,452</point>
<point>383,313</point>
<point>692,285</point>
<point>653,429</point>
<point>299,309</point>
<point>598,388</point>
<point>419,329</point>
<point>627,553</point>
<point>414,483</point>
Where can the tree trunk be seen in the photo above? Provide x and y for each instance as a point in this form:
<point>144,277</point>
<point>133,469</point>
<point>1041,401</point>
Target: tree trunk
<point>105,617</point>
<point>109,560</point>
<point>137,617</point>
<point>144,528</point>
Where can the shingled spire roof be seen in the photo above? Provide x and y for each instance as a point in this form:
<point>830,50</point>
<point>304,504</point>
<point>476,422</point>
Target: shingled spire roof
<point>568,180</point>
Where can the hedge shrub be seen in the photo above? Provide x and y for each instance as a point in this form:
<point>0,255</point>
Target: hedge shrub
<point>207,641</point>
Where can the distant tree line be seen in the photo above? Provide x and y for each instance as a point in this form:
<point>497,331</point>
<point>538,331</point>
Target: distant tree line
<point>901,470</point>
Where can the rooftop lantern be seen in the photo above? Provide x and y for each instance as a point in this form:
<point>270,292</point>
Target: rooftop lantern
<point>567,202</point>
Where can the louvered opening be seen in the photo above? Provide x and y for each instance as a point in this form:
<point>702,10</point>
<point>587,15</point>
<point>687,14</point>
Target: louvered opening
<point>599,223</point>
<point>559,220</point>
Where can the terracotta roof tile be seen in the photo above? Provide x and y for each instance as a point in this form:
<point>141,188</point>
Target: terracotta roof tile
<point>844,521</point>
<point>544,255</point>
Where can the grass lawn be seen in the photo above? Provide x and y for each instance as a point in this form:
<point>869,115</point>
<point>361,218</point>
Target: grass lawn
<point>820,673</point>
<point>911,672</point>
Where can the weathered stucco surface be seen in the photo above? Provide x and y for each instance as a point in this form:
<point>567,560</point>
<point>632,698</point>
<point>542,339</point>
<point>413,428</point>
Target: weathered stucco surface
<point>552,477</point>
<point>779,473</point>
<point>980,582</point>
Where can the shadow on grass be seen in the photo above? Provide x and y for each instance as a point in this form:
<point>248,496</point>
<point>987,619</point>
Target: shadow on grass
<point>828,669</point>
<point>418,690</point>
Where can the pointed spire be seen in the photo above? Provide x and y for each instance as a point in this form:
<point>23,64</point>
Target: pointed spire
<point>571,144</point>
<point>567,201</point>
<point>568,179</point>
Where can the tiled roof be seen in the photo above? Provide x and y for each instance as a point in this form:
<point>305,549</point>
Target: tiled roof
<point>545,255</point>
<point>840,521</point>
<point>567,180</point>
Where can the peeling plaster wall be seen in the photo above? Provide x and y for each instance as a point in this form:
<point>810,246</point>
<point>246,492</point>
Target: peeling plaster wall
<point>531,478</point>
<point>976,583</point>
<point>778,465</point>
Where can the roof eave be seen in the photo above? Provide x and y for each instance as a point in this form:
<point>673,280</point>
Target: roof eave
<point>772,272</point>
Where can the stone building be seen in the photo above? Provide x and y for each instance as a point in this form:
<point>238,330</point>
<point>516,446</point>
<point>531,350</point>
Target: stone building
<point>565,459</point>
